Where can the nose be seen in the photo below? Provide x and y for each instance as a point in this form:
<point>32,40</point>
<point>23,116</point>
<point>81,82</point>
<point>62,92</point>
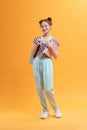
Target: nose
<point>43,27</point>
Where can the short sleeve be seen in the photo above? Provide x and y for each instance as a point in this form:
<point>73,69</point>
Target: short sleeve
<point>36,39</point>
<point>55,41</point>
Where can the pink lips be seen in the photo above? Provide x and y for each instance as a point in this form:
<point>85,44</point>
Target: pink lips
<point>44,30</point>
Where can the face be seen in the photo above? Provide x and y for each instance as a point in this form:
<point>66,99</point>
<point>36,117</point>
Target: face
<point>45,27</point>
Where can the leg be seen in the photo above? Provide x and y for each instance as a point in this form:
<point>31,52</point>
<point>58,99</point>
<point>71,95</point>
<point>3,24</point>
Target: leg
<point>48,84</point>
<point>51,98</point>
<point>37,69</point>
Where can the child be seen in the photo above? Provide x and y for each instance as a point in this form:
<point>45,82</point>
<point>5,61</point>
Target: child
<point>44,48</point>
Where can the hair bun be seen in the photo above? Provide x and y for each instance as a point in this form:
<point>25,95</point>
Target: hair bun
<point>49,18</point>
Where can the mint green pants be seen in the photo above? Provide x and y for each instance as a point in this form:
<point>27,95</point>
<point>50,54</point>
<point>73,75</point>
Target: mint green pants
<point>43,73</point>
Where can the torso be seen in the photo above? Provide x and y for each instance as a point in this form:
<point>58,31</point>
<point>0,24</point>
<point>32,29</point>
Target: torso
<point>43,46</point>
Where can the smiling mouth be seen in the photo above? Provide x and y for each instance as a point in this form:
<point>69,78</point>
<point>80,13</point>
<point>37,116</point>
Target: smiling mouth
<point>44,30</point>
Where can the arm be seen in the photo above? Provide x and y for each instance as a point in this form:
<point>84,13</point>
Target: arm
<point>36,42</point>
<point>34,49</point>
<point>53,52</point>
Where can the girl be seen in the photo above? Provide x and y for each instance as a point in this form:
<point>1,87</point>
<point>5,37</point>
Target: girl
<point>44,48</point>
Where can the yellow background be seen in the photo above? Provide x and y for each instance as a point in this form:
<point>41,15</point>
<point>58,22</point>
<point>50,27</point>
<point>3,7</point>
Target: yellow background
<point>18,26</point>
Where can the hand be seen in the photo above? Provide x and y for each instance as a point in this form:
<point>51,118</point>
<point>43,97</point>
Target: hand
<point>48,44</point>
<point>38,41</point>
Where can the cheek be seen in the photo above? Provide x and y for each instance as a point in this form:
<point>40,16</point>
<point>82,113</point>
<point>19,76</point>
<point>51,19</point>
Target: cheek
<point>44,29</point>
<point>48,28</point>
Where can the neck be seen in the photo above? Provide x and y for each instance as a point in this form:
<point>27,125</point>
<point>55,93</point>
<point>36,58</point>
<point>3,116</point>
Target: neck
<point>47,35</point>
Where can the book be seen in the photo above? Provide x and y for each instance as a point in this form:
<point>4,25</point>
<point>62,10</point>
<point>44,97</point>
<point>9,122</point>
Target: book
<point>54,46</point>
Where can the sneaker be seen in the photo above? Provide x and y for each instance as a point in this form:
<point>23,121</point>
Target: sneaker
<point>58,113</point>
<point>44,115</point>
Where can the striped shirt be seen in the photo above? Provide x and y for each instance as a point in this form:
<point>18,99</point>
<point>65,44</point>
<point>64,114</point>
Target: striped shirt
<point>43,48</point>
